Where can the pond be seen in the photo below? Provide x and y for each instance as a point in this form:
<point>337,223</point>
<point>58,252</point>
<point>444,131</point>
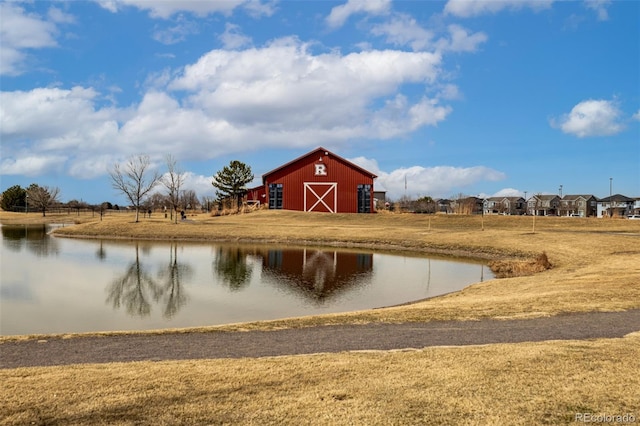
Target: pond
<point>62,285</point>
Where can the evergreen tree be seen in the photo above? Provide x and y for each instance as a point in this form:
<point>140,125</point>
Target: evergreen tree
<point>14,196</point>
<point>232,180</point>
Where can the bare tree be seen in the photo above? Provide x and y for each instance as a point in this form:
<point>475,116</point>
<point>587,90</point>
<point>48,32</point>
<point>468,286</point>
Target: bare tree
<point>189,199</point>
<point>157,201</point>
<point>207,202</point>
<point>42,197</point>
<point>134,180</point>
<point>173,181</point>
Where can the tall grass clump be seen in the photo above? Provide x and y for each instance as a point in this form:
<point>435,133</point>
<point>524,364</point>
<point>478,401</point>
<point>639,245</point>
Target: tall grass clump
<point>520,268</point>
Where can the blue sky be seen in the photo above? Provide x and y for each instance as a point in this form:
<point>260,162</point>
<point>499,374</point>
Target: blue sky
<point>456,97</point>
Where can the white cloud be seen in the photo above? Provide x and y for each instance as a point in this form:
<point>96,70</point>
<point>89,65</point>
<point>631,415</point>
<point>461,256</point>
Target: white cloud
<point>258,9</point>
<point>437,182</point>
<point>283,91</point>
<point>286,64</point>
<point>227,102</point>
<point>88,165</point>
<point>166,8</point>
<point>508,192</point>
<point>60,125</point>
<point>461,41</point>
<point>58,16</point>
<point>51,116</point>
<point>340,14</point>
<point>600,7</point>
<point>591,118</point>
<point>21,31</point>
<point>469,8</point>
<point>232,38</point>
<point>160,125</point>
<point>176,33</point>
<point>398,117</point>
<point>110,5</point>
<point>200,184</point>
<point>403,30</point>
<point>449,92</point>
<point>636,116</point>
<point>31,165</point>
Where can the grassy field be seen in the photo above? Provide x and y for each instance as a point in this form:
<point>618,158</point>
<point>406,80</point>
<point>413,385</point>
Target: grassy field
<point>595,266</point>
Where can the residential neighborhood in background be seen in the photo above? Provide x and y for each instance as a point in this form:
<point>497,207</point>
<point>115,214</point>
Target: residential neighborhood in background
<point>583,205</point>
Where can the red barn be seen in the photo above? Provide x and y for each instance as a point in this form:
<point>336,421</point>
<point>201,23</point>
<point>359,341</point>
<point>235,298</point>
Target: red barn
<point>320,181</point>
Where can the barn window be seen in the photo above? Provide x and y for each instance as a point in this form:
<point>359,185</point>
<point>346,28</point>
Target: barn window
<point>364,198</point>
<point>275,196</point>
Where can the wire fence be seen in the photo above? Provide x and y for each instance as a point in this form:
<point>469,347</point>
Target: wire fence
<point>71,210</point>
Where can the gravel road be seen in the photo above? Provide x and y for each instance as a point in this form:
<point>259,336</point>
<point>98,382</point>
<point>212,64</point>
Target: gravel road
<point>338,338</point>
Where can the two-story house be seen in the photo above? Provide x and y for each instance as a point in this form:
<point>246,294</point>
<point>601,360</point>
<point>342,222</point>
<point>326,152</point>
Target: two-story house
<point>578,205</point>
<point>616,206</point>
<point>636,206</point>
<point>505,205</point>
<point>543,205</point>
<point>444,206</point>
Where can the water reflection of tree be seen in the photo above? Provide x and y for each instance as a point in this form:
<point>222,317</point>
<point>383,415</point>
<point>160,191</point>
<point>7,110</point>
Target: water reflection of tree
<point>134,289</point>
<point>101,253</point>
<point>34,237</point>
<point>172,275</point>
<point>230,265</point>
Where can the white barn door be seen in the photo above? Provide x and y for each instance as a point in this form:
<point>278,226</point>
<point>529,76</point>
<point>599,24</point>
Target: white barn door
<point>320,197</point>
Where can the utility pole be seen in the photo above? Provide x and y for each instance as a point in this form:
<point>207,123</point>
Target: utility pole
<point>610,197</point>
<point>482,220</point>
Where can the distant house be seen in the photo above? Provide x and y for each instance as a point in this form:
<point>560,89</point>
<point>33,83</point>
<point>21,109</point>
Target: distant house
<point>543,205</point>
<point>578,205</point>
<point>468,205</point>
<point>616,206</point>
<point>505,205</point>
<point>443,206</point>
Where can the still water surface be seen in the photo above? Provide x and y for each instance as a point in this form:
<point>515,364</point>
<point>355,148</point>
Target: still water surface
<point>60,285</point>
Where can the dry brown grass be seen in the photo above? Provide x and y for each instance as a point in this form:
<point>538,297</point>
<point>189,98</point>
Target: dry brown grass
<point>514,384</point>
<point>596,266</point>
<point>37,218</point>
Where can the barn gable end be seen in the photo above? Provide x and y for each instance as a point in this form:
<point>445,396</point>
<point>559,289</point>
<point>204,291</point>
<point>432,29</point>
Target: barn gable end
<point>320,181</point>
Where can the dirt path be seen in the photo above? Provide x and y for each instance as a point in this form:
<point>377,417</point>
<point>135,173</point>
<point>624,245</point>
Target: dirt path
<point>380,336</point>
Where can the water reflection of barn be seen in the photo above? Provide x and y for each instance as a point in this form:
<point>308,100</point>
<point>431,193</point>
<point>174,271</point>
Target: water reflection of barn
<point>317,274</point>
